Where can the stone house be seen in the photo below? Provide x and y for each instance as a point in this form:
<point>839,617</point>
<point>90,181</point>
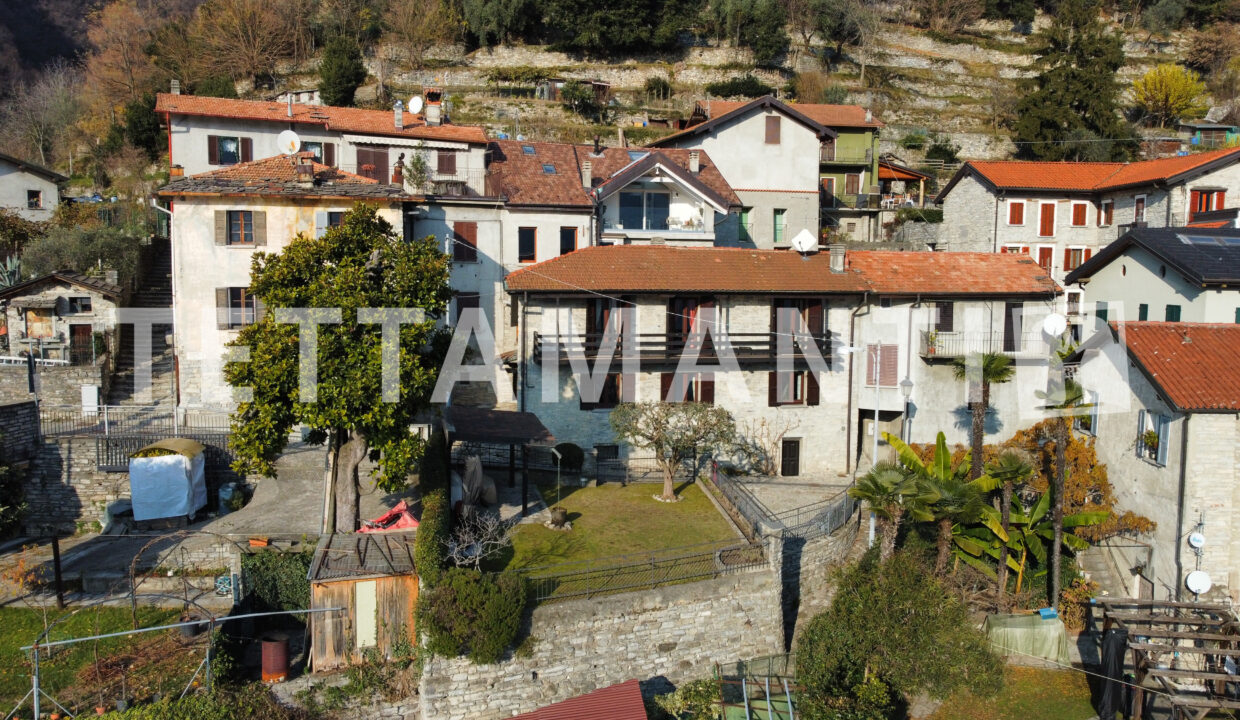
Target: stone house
<point>220,219</point>
<point>1169,274</point>
<point>206,133</point>
<point>30,190</point>
<point>1061,213</point>
<point>64,316</point>
<point>1165,421</point>
<point>664,300</point>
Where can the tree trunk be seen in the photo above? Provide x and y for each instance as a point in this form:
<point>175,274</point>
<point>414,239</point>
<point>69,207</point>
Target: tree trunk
<point>1061,471</point>
<point>945,546</point>
<point>669,480</point>
<point>889,528</point>
<point>349,455</point>
<point>978,430</point>
<point>1006,521</point>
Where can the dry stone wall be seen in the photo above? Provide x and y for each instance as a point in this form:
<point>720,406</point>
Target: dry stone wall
<point>19,432</point>
<point>57,384</point>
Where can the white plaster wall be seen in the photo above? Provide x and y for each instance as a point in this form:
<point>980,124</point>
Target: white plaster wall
<point>14,183</point>
<point>547,239</point>
<point>200,266</point>
<point>1138,277</point>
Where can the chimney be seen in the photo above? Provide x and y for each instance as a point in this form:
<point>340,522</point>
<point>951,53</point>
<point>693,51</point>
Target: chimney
<point>290,104</point>
<point>176,86</point>
<point>434,107</point>
<point>836,252</point>
<point>598,146</point>
<point>304,167</point>
<point>398,112</point>
<point>869,115</point>
<point>587,174</point>
<point>695,161</point>
<point>176,171</point>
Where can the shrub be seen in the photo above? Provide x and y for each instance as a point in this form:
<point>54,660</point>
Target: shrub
<point>929,215</point>
<point>79,249</point>
<point>430,544</point>
<point>744,86</point>
<point>340,72</point>
<point>472,613</point>
<point>914,141</point>
<point>658,87</point>
<point>434,473</point>
<point>249,701</point>
<point>277,580</point>
<point>12,500</point>
<point>220,86</point>
<point>943,149</point>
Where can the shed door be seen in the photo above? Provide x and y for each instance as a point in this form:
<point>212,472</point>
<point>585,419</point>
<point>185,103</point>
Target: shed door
<point>366,614</point>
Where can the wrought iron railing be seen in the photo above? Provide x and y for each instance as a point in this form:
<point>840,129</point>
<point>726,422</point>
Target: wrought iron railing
<point>746,347</point>
<point>649,570</point>
<point>142,420</point>
<point>948,345</point>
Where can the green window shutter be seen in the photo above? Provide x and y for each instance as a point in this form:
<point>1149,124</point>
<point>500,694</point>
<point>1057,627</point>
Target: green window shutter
<point>1101,311</point>
<point>260,227</point>
<point>1143,312</point>
<point>1173,313</point>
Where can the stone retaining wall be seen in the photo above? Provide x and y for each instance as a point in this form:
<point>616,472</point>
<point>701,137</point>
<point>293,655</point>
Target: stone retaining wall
<point>57,384</point>
<point>19,432</point>
<point>667,634</point>
<point>66,488</point>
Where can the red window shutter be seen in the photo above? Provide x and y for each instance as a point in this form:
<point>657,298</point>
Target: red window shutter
<point>1024,250</point>
<point>811,387</point>
<point>1046,222</point>
<point>247,149</point>
<point>707,386</point>
<point>890,365</point>
<point>1046,257</point>
<point>213,149</point>
<point>772,389</point>
<point>665,388</point>
<point>1220,200</point>
<point>1016,213</point>
<point>1088,254</point>
<point>1194,203</point>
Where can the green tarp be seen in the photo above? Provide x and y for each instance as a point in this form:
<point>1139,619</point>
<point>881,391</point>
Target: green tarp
<point>1028,635</point>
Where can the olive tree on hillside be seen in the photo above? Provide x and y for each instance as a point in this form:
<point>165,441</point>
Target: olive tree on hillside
<point>674,432</point>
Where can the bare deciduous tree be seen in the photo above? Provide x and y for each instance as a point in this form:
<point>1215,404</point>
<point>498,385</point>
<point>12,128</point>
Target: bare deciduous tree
<point>246,38</point>
<point>414,26</point>
<point>760,442</point>
<point>478,537</point>
<point>118,65</point>
<point>39,115</point>
<point>951,15</point>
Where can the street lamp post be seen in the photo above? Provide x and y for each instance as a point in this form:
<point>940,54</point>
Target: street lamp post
<point>906,389</point>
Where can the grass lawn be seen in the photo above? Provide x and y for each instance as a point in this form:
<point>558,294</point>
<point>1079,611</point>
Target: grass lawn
<point>67,669</point>
<point>617,520</point>
<point>1028,693</point>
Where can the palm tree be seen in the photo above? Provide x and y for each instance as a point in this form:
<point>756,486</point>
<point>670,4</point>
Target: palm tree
<point>981,370</point>
<point>1011,468</point>
<point>1067,403</point>
<point>891,492</point>
<point>957,498</point>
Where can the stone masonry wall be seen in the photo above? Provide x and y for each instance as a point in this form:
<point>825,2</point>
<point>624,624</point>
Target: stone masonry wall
<point>19,432</point>
<point>673,633</point>
<point>57,384</point>
<point>66,487</point>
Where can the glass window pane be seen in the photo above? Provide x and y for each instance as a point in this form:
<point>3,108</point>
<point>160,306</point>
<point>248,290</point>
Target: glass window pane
<point>631,210</point>
<point>229,151</point>
<point>657,210</point>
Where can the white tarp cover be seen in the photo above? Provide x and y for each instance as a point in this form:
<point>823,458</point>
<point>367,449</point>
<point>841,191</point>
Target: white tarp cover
<point>167,486</point>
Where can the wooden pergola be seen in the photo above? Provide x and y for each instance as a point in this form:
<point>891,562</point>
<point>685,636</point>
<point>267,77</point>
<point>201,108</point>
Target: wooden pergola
<point>500,427</point>
<point>1200,636</point>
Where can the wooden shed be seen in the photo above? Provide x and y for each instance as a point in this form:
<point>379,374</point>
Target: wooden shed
<point>371,576</point>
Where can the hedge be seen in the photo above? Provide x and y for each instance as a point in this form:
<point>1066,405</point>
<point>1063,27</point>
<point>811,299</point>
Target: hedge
<point>434,479</point>
<point>472,613</point>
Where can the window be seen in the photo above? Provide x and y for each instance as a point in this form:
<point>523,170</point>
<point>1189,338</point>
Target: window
<point>1101,310</point>
<point>228,150</point>
<point>1046,257</point>
<point>1153,437</point>
<point>1014,249</point>
<point>612,392</point>
<point>887,359</point>
<point>1013,314</point>
<point>1046,219</point>
<point>548,169</point>
<point>1088,424</point>
<point>1143,312</point>
<point>1074,303</point>
<point>372,162</point>
<point>1138,209</point>
<point>644,210</point>
<point>852,183</point>
<point>945,317</point>
<point>445,162</point>
<point>240,227</point>
<point>464,301</point>
<point>635,155</point>
<point>1238,316</point>
<point>1205,201</point>
<point>1106,213</point>
<point>526,244</point>
<point>1016,212</point>
<point>1073,258</point>
<point>607,452</point>
<point>527,149</point>
<point>1080,212</point>
<point>1173,313</point>
<point>315,148</point>
<point>568,240</point>
<point>678,388</point>
<point>772,129</point>
<point>790,388</point>
<point>79,305</point>
<point>335,218</point>
<point>242,307</point>
<point>780,216</point>
<point>465,241</point>
<point>34,199</point>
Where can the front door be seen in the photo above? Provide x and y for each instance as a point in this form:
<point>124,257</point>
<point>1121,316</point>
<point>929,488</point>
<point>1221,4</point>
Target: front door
<point>80,344</point>
<point>790,458</point>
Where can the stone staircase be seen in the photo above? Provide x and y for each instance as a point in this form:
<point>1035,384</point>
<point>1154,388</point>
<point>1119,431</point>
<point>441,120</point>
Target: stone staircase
<point>154,291</point>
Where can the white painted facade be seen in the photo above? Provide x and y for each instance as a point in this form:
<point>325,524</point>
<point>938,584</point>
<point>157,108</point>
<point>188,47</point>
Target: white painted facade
<point>32,195</point>
<point>1137,277</point>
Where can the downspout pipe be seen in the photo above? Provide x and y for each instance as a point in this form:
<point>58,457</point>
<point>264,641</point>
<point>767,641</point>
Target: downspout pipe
<point>1179,515</point>
<point>852,334</point>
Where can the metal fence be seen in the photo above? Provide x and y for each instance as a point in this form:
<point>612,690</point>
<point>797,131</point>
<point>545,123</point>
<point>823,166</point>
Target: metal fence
<point>144,420</point>
<point>754,512</point>
<point>818,519</point>
<point>621,573</point>
<point>112,452</point>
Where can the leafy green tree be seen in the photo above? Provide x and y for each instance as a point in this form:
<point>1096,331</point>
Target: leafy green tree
<point>1075,88</point>
<point>755,24</point>
<point>895,623</point>
<point>362,263</point>
<point>220,86</point>
<point>1018,12</point>
<point>845,23</point>
<point>494,22</point>
<point>981,370</point>
<point>1164,17</point>
<point>620,25</point>
<point>745,86</point>
<point>1169,92</point>
<point>579,98</point>
<point>674,432</point>
<point>891,492</point>
<point>1034,531</point>
<point>142,125</point>
<point>340,72</point>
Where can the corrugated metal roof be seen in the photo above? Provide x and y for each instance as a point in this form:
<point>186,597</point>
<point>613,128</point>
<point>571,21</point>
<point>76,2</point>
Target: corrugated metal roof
<point>360,555</point>
<point>618,702</point>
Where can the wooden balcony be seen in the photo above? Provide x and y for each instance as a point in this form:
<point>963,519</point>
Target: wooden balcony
<point>661,349</point>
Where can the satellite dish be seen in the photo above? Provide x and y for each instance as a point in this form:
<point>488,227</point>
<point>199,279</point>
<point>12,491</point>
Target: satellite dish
<point>415,104</point>
<point>1198,582</point>
<point>288,142</point>
<point>1196,540</point>
<point>804,242</point>
<point>1054,325</point>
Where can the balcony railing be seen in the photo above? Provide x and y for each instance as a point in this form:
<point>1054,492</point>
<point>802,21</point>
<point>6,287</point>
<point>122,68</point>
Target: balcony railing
<point>829,155</point>
<point>660,348</point>
<point>860,201</point>
<point>951,345</point>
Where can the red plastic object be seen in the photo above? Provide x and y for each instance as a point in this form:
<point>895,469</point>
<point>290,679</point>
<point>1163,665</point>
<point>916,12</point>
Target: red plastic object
<point>398,518</point>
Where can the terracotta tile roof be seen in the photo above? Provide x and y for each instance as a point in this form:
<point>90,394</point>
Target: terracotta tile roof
<point>1196,365</point>
<point>278,176</point>
<point>618,702</point>
<point>765,102</point>
<point>68,276</point>
<point>336,119</point>
<point>667,268</point>
<point>838,116</point>
<point>951,273</point>
<point>519,175</point>
<point>1088,176</point>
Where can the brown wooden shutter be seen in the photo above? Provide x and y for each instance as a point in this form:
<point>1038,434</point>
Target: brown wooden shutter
<point>247,149</point>
<point>213,149</point>
<point>221,308</point>
<point>465,247</point>
<point>811,387</point>
<point>1078,214</point>
<point>1088,254</point>
<point>221,227</point>
<point>329,154</point>
<point>446,162</point>
<point>772,129</point>
<point>707,387</point>
<point>1067,260</point>
<point>665,388</point>
<point>871,356</point>
<point>772,389</point>
<point>815,318</point>
<point>260,227</point>
<point>890,365</point>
